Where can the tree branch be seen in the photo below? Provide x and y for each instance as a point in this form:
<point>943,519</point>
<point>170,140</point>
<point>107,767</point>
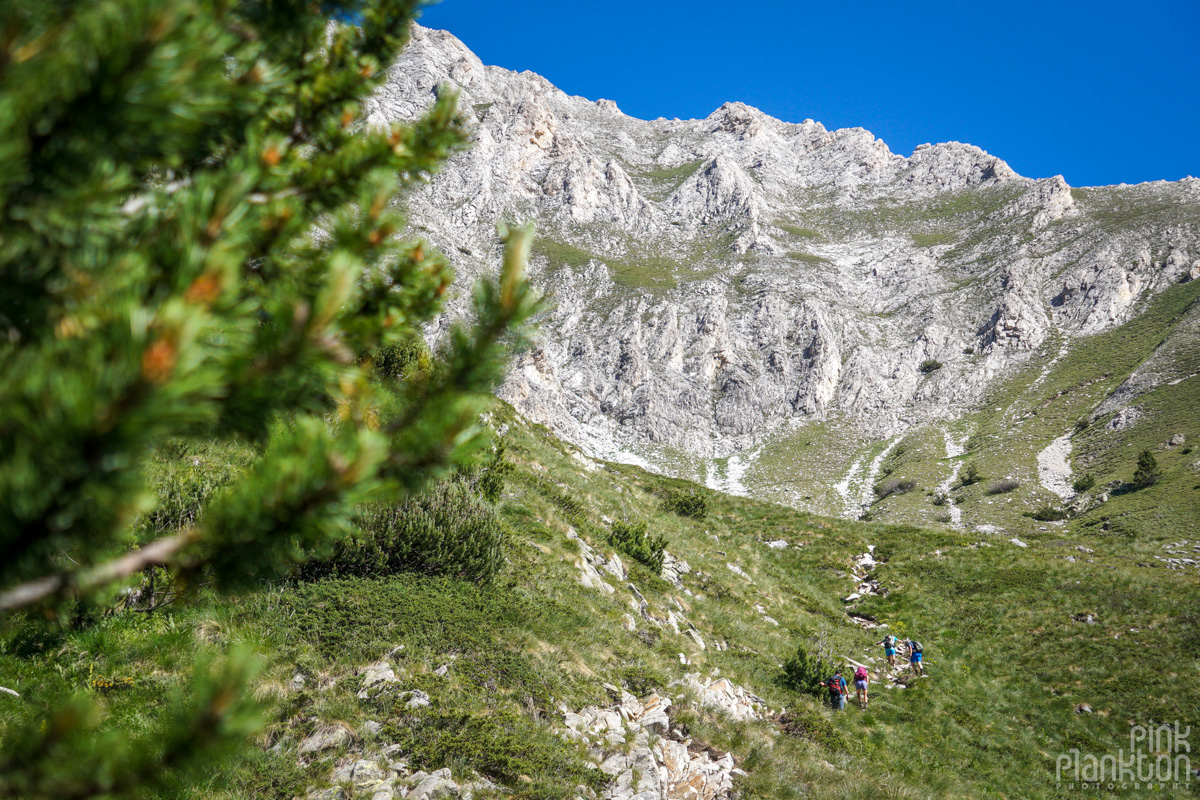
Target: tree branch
<point>157,553</point>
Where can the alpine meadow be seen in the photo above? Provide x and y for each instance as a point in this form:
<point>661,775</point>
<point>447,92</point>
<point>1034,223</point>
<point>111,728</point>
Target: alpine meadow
<point>376,423</point>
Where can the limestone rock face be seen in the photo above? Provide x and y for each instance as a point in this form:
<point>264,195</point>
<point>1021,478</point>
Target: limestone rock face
<point>717,283</point>
<point>673,767</point>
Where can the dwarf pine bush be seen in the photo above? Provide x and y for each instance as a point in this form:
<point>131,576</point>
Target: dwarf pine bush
<point>164,165</point>
<point>1147,472</point>
<point>632,540</point>
<point>893,486</point>
<point>806,672</point>
<point>970,475</point>
<point>448,531</point>
<point>1049,514</point>
<point>685,504</point>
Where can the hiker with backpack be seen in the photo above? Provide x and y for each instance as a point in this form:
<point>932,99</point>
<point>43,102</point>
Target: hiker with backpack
<point>915,650</point>
<point>889,649</point>
<point>837,690</point>
<point>861,679</point>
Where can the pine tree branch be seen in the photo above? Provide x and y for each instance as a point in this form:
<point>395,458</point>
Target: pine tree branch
<point>156,554</point>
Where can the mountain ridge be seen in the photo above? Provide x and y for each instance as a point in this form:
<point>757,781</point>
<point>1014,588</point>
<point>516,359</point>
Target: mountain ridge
<point>722,282</point>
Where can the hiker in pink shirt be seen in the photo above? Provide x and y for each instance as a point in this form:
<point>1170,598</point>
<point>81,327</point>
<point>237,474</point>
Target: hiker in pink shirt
<point>861,679</point>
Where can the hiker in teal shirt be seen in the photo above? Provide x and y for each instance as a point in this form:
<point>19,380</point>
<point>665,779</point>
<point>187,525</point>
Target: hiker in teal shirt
<point>889,648</point>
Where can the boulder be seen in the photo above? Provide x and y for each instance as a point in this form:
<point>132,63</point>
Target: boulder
<point>326,737</point>
<point>434,787</point>
<point>375,677</point>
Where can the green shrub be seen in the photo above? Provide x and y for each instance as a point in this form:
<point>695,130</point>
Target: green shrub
<point>686,504</point>
<point>401,361</point>
<point>488,478</point>
<point>641,678</point>
<point>1048,514</point>
<point>893,486</point>
<point>968,351</point>
<point>448,531</point>
<point>970,475</point>
<point>930,365</point>
<point>1084,483</point>
<point>807,672</point>
<point>940,499</point>
<point>632,540</point>
<point>1003,486</point>
<point>814,727</point>
<point>1147,473</point>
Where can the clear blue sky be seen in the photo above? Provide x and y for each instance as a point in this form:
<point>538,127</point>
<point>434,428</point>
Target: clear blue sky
<point>1101,92</point>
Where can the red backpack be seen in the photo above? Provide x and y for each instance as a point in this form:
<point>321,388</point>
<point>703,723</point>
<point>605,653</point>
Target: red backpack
<point>860,674</point>
<point>835,684</point>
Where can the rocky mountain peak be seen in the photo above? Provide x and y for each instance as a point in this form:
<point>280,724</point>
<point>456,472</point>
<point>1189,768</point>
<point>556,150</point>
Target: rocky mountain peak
<point>722,283</point>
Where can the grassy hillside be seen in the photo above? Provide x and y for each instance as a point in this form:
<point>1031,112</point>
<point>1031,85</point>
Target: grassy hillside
<point>1018,640</point>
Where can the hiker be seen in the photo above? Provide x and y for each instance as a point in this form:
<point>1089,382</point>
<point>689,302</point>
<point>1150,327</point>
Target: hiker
<point>914,656</point>
<point>889,648</point>
<point>837,691</point>
<point>861,679</point>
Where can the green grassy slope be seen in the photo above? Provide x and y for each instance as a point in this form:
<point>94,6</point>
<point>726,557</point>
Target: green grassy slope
<point>1008,662</point>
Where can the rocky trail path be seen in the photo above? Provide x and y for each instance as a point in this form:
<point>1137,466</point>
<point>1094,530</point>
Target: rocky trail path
<point>870,657</point>
<point>1054,470</point>
<point>954,449</point>
<point>857,489</point>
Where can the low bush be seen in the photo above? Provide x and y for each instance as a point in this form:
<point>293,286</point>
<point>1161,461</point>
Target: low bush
<point>1147,472</point>
<point>970,475</point>
<point>1084,483</point>
<point>402,361</point>
<point>685,504</point>
<point>487,478</point>
<point>448,531</point>
<point>809,725</point>
<point>632,540</point>
<point>1003,486</point>
<point>807,672</point>
<point>940,499</point>
<point>893,486</point>
<point>1048,514</point>
<point>641,678</point>
<point>930,365</point>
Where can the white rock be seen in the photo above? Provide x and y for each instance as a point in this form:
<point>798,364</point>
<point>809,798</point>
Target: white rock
<point>327,737</point>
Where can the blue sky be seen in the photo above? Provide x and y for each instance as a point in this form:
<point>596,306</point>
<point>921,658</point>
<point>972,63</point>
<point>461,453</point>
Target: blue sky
<point>1100,92</point>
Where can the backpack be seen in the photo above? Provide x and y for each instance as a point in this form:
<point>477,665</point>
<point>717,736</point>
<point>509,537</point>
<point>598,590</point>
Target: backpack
<point>860,674</point>
<point>916,647</point>
<point>835,684</point>
<point>889,641</point>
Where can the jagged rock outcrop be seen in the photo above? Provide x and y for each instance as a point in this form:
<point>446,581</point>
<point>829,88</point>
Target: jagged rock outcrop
<point>716,282</point>
<point>669,766</point>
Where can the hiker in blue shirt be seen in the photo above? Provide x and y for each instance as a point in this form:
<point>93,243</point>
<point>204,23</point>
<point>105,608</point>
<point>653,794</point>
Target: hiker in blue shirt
<point>837,691</point>
<point>914,656</point>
